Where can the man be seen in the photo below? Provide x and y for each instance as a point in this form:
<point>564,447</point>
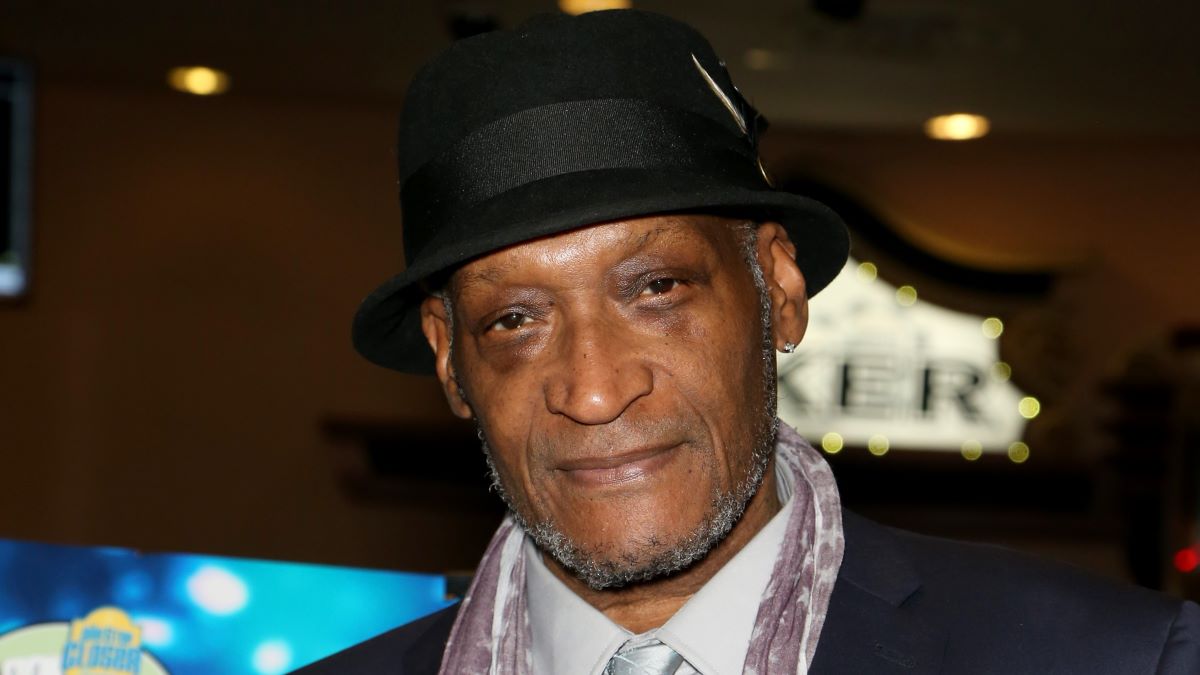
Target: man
<point>599,274</point>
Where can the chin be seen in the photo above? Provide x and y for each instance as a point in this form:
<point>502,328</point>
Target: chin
<point>638,556</point>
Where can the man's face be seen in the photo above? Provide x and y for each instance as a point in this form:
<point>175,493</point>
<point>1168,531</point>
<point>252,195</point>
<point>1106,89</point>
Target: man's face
<point>619,377</point>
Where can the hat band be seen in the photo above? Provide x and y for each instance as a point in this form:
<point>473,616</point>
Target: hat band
<point>564,138</point>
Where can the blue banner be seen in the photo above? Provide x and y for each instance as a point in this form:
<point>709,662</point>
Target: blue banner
<point>69,610</point>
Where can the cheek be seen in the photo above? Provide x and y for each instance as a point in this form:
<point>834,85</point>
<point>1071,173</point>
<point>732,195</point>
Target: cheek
<point>720,373</point>
<point>507,415</point>
<point>715,357</point>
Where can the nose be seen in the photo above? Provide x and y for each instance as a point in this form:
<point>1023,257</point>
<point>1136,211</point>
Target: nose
<point>599,373</point>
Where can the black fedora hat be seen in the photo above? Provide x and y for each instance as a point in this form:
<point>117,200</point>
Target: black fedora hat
<point>565,122</point>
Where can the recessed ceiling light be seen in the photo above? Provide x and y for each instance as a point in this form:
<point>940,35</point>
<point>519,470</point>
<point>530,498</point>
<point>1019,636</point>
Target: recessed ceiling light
<point>957,127</point>
<point>198,80</point>
<point>585,6</point>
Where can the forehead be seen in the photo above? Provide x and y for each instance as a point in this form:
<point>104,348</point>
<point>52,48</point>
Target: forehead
<point>681,234</point>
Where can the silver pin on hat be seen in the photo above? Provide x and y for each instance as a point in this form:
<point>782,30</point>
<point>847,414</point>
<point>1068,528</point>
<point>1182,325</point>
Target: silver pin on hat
<point>725,100</point>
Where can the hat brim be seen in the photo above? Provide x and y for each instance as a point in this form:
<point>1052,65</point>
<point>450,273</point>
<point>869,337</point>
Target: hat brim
<point>387,326</point>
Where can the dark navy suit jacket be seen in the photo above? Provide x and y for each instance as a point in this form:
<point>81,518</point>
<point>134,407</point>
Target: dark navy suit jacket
<point>915,605</point>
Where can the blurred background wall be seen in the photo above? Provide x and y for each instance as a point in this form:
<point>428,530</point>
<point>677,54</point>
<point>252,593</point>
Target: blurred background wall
<point>179,374</point>
<point>197,265</point>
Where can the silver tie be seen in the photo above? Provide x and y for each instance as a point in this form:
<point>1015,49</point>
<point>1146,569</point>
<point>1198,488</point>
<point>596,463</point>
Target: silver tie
<point>645,657</point>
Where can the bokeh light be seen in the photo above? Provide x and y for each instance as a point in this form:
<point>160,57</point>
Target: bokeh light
<point>906,296</point>
<point>878,445</point>
<point>198,80</point>
<point>1018,452</point>
<point>156,632</point>
<point>1187,560</point>
<point>957,127</point>
<point>972,450</point>
<point>832,442</point>
<point>217,590</point>
<point>867,271</point>
<point>272,657</point>
<point>992,327</point>
<point>1029,407</point>
<point>1001,371</point>
<point>132,587</point>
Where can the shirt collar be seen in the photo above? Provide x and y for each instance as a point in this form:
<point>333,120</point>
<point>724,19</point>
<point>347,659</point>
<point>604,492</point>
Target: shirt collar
<point>567,635</point>
<point>711,631</point>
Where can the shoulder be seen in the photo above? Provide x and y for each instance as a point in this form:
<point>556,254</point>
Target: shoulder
<point>411,649</point>
<point>1015,608</point>
<point>1013,585</point>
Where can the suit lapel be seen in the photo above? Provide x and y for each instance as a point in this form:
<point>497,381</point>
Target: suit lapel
<point>867,629</point>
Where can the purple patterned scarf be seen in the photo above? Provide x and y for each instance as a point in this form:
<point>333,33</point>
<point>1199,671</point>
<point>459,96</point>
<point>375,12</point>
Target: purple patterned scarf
<point>491,633</point>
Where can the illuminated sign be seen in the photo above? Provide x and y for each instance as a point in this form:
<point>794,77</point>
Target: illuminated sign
<point>880,368</point>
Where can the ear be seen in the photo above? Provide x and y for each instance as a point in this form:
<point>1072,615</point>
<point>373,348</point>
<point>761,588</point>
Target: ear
<point>436,326</point>
<point>785,284</point>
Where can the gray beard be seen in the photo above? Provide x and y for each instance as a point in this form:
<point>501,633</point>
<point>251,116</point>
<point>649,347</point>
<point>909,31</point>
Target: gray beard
<point>659,559</point>
<point>600,572</point>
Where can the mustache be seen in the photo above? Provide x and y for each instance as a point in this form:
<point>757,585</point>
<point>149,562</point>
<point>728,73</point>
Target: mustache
<point>621,435</point>
<point>570,441</point>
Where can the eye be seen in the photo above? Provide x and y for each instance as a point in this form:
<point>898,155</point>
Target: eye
<point>510,321</point>
<point>660,286</point>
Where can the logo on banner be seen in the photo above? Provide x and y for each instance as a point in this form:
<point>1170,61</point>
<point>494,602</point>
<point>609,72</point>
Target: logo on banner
<point>105,642</point>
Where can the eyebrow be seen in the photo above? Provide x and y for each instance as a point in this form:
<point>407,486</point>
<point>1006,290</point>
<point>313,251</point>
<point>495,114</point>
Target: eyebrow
<point>492,274</point>
<point>646,238</point>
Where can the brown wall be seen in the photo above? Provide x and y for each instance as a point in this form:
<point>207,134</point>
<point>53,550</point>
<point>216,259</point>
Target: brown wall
<point>197,264</point>
<point>1129,204</point>
<point>198,261</point>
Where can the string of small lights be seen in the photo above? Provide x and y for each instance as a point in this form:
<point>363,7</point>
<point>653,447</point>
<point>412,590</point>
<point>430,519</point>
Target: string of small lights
<point>1029,407</point>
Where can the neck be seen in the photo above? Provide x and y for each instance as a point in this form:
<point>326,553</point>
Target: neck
<point>642,607</point>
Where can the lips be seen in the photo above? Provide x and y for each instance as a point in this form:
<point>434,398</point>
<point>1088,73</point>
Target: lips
<point>617,469</point>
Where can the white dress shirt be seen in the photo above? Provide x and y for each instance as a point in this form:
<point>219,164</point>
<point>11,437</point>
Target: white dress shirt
<point>711,631</point>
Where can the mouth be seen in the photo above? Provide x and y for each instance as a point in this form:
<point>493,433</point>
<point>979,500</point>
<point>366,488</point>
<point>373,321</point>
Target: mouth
<point>625,467</point>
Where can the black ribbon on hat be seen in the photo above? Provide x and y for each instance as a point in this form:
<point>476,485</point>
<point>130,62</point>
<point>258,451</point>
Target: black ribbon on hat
<point>564,138</point>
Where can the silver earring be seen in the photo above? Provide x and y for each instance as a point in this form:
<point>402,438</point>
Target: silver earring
<point>789,347</point>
